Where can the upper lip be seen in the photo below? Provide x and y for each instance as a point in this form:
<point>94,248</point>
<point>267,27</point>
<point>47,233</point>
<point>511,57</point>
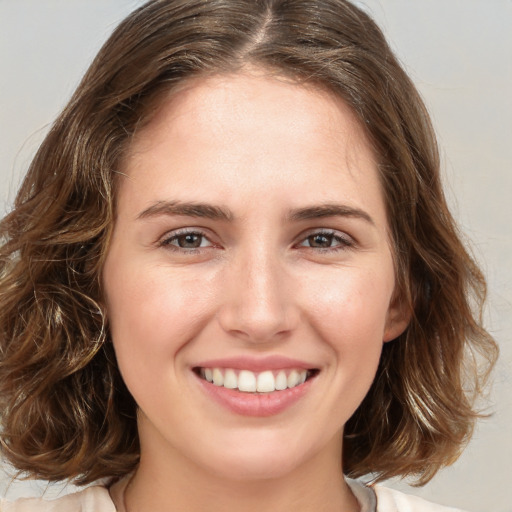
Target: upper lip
<point>257,364</point>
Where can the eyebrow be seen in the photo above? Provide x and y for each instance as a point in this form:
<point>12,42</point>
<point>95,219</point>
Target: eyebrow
<point>186,209</point>
<point>329,210</point>
<point>208,211</point>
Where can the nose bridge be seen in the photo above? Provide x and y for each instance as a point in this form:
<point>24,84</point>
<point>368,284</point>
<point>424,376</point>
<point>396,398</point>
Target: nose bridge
<point>258,304</point>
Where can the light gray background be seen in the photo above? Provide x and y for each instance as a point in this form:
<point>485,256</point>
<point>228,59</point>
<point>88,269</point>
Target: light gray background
<point>459,52</point>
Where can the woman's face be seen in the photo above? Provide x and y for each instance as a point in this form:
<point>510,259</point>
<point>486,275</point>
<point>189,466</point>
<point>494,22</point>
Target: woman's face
<point>251,247</point>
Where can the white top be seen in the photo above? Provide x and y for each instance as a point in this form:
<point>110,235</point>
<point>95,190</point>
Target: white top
<point>97,499</point>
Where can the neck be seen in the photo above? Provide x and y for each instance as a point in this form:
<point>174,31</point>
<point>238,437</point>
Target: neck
<point>181,486</point>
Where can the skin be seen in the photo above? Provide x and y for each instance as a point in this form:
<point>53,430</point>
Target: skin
<point>260,148</point>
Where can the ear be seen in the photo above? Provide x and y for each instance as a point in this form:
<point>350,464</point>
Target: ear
<point>397,319</point>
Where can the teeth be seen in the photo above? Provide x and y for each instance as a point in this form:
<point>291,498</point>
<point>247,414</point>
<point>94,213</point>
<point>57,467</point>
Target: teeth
<point>281,381</point>
<point>293,378</point>
<point>230,380</point>
<point>247,381</point>
<point>218,378</point>
<point>250,382</point>
<point>266,382</point>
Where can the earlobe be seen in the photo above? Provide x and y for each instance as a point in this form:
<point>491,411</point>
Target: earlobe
<point>397,321</point>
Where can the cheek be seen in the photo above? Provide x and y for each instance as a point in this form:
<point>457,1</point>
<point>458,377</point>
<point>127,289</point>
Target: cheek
<point>351,305</point>
<point>346,310</point>
<point>152,313</point>
<point>349,315</point>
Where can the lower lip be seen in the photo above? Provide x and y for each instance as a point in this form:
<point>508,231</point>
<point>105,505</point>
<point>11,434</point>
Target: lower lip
<point>255,404</point>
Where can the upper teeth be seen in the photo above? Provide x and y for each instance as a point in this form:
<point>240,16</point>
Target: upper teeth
<point>245,380</point>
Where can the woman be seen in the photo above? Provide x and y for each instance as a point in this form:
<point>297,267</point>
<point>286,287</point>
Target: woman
<point>231,279</point>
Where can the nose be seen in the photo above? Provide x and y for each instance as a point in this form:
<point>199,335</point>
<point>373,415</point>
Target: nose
<point>258,304</point>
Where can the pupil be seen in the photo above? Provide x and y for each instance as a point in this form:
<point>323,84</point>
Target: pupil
<point>320,240</point>
<point>189,241</point>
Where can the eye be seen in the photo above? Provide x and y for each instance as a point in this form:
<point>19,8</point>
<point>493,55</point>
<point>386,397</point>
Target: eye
<point>327,240</point>
<point>186,240</point>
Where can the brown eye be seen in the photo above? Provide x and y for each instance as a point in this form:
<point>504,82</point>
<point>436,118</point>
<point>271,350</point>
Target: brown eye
<point>189,241</point>
<point>320,241</point>
<point>334,240</point>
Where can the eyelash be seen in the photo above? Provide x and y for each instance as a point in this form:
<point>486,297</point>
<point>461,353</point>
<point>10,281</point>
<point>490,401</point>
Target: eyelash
<point>344,241</point>
<point>168,240</point>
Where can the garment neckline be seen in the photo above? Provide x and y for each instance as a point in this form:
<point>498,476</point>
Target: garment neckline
<point>364,494</point>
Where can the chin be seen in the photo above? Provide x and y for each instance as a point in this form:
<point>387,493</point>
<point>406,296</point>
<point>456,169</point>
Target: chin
<point>252,467</point>
<point>257,455</point>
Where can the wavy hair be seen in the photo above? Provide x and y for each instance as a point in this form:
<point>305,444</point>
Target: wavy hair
<point>65,411</point>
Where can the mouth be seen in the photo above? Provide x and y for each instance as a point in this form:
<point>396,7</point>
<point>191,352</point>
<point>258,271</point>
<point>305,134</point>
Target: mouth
<point>264,382</point>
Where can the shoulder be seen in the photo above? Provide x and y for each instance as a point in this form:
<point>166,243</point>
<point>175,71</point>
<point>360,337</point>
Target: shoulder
<point>390,500</point>
<point>92,499</point>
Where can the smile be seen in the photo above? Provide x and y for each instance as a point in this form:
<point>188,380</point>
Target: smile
<point>246,381</point>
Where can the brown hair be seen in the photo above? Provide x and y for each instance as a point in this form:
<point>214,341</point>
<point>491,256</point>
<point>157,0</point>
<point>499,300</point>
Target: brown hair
<point>66,413</point>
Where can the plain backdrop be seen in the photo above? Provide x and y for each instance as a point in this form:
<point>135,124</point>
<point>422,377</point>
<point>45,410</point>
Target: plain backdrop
<point>459,53</point>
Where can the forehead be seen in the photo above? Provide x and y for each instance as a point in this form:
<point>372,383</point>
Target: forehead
<point>255,131</point>
<point>254,94</point>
